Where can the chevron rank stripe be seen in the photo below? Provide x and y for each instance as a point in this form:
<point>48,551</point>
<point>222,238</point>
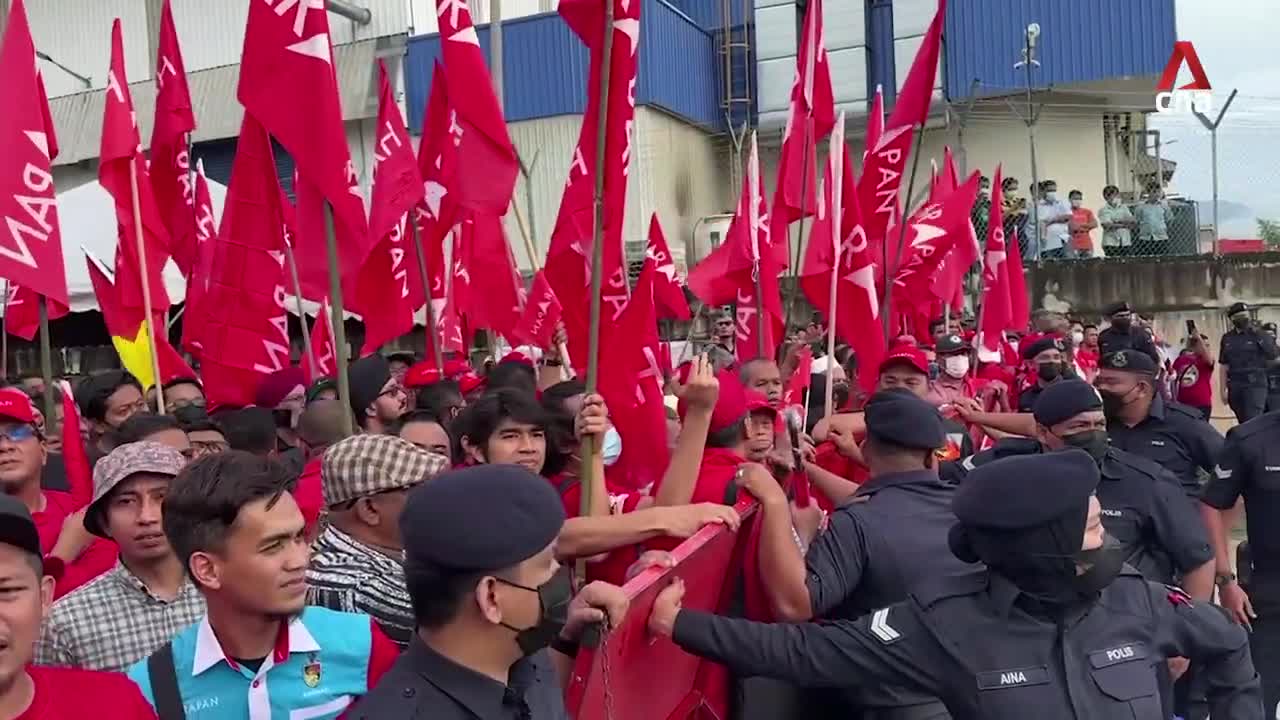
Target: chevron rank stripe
<point>880,627</point>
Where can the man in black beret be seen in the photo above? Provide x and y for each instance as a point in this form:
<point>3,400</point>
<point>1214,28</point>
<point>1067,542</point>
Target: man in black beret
<point>1141,421</point>
<point>1245,354</point>
<point>496,615</point>
<point>1052,626</point>
<point>1047,354</point>
<point>377,397</point>
<point>1123,334</point>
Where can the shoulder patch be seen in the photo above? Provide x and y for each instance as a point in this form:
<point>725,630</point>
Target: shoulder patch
<point>1177,596</point>
<point>881,628</point>
<point>1222,473</point>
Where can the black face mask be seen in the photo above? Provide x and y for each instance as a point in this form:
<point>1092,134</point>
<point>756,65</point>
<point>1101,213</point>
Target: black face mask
<point>1048,372</point>
<point>554,596</point>
<point>1102,565</point>
<point>1113,402</point>
<point>1240,322</point>
<point>1122,323</point>
<point>1094,442</point>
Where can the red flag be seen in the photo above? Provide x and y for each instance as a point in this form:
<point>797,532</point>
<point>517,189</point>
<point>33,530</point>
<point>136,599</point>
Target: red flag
<point>932,231</point>
<point>389,288</point>
<point>911,108</point>
<point>878,190</point>
<point>839,244</point>
<point>487,177</point>
<point>30,243</point>
<point>437,160</point>
<point>542,312</point>
<point>948,285</point>
<point>728,274</point>
<point>74,457</point>
<point>997,310</point>
<point>322,345</point>
<point>811,117</point>
<point>121,150</point>
<point>22,312</point>
<point>170,164</point>
<point>668,294</point>
<point>246,331</point>
<point>569,256</point>
<point>1019,300</point>
<point>631,383</point>
<point>875,123</point>
<point>287,83</point>
<point>198,281</point>
<point>494,295</point>
<point>798,383</point>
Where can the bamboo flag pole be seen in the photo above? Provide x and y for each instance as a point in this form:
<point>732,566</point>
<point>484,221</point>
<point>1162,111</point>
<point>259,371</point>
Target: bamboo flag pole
<point>339,327</point>
<point>4,332</point>
<point>433,343</point>
<point>531,250</point>
<point>836,159</point>
<point>753,214</point>
<point>46,362</point>
<point>589,447</point>
<point>149,319</point>
<point>302,316</point>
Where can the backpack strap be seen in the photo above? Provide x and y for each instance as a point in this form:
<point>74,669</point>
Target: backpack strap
<point>164,684</point>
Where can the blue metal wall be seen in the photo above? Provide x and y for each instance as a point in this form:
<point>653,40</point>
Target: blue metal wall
<point>1080,41</point>
<point>545,67</point>
<point>880,63</point>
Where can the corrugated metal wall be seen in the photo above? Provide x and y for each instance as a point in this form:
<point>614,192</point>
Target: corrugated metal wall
<point>911,19</point>
<point>778,24</point>
<point>1080,41</point>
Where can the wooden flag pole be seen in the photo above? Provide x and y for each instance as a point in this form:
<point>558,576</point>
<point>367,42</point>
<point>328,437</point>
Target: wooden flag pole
<point>302,316</point>
<point>529,248</point>
<point>4,333</point>
<point>836,158</point>
<point>589,447</point>
<point>433,343</point>
<point>753,200</point>
<point>46,362</point>
<point>339,327</point>
<point>149,318</point>
<point>886,274</point>
<point>804,195</point>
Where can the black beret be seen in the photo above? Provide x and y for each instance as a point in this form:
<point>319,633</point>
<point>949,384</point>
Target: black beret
<point>1048,342</point>
<point>1238,307</point>
<point>1131,361</point>
<point>1116,307</point>
<point>1020,492</point>
<point>481,518</point>
<point>367,376</point>
<point>950,343</point>
<point>901,418</point>
<point>1063,400</point>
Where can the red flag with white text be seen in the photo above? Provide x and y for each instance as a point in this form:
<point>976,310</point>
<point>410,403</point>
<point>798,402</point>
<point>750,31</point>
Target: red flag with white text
<point>668,294</point>
<point>878,189</point>
<point>997,308</point>
<point>30,240</point>
<point>569,255</point>
<point>119,155</point>
<point>494,293</point>
<point>170,161</point>
<point>322,345</point>
<point>246,335</point>
<point>797,389</point>
<point>932,232</point>
<point>948,285</point>
<point>542,312</point>
<point>198,282</point>
<point>22,312</point>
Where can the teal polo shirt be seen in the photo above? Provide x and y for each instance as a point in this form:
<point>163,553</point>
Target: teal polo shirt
<point>323,661</point>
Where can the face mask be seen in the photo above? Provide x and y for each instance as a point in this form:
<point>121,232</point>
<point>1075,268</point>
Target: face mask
<point>1051,197</point>
<point>984,192</point>
<point>1011,194</point>
<point>1102,565</point>
<point>1114,202</point>
<point>1075,204</point>
<point>1240,322</point>
<point>1113,402</point>
<point>1077,338</point>
<point>956,366</point>
<point>612,446</point>
<point>554,596</point>
<point>1049,372</point>
<point>1094,442</point>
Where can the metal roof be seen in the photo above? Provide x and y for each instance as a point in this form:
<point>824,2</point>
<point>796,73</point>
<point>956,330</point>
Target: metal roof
<point>78,118</point>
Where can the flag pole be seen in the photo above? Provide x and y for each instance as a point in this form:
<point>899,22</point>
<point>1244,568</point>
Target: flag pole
<point>46,360</point>
<point>433,343</point>
<point>589,447</point>
<point>529,248</point>
<point>804,195</point>
<point>339,328</point>
<point>902,238</point>
<point>836,158</point>
<point>149,318</point>
<point>4,333</point>
<point>302,316</point>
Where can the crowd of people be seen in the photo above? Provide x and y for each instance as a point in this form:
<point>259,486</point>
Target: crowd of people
<point>985,534</point>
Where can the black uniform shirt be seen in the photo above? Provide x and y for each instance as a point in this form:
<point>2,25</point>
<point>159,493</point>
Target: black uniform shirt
<point>1249,465</point>
<point>1173,436</point>
<point>1027,398</point>
<point>1113,339</point>
<point>1245,353</point>
<point>875,550</point>
<point>424,685</point>
<point>969,641</point>
<point>1143,508</point>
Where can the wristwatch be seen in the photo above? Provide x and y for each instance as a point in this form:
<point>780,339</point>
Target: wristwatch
<point>1224,579</point>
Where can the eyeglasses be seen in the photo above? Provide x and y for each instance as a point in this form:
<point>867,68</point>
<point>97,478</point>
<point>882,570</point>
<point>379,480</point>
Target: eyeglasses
<point>18,433</point>
<point>197,402</point>
<point>200,449</point>
<point>396,389</point>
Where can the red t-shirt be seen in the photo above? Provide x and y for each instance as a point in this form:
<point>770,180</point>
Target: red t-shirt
<point>309,493</point>
<point>73,694</point>
<point>613,567</point>
<point>1194,374</point>
<point>99,557</point>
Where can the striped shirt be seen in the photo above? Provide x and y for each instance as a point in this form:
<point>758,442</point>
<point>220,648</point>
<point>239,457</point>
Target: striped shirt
<point>113,621</point>
<point>350,576</point>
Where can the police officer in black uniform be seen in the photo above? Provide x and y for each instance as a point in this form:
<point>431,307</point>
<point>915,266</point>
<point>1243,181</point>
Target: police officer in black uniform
<point>1123,335</point>
<point>1141,421</point>
<point>1273,373</point>
<point>892,535</point>
<point>485,585</point>
<point>1048,355</point>
<point>1249,467</point>
<point>1054,627</point>
<point>1245,353</point>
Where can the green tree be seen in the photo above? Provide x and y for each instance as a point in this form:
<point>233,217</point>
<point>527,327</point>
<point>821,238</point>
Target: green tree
<point>1269,230</point>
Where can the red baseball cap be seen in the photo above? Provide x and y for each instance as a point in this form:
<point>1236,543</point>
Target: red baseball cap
<point>909,354</point>
<point>421,375</point>
<point>470,381</point>
<point>757,402</point>
<point>15,405</point>
<point>516,356</point>
<point>731,404</point>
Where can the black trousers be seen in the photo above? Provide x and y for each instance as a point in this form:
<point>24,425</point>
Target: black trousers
<point>1248,401</point>
<point>1264,641</point>
<point>1273,400</point>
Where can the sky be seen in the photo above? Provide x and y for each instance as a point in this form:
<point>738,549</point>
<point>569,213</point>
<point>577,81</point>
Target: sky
<point>1235,40</point>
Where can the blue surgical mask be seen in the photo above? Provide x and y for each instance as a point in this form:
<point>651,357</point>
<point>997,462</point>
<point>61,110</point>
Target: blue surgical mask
<point>612,447</point>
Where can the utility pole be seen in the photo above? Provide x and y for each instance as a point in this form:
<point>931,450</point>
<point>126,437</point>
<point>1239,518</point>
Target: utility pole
<point>495,49</point>
<point>1212,127</point>
<point>1027,62</point>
